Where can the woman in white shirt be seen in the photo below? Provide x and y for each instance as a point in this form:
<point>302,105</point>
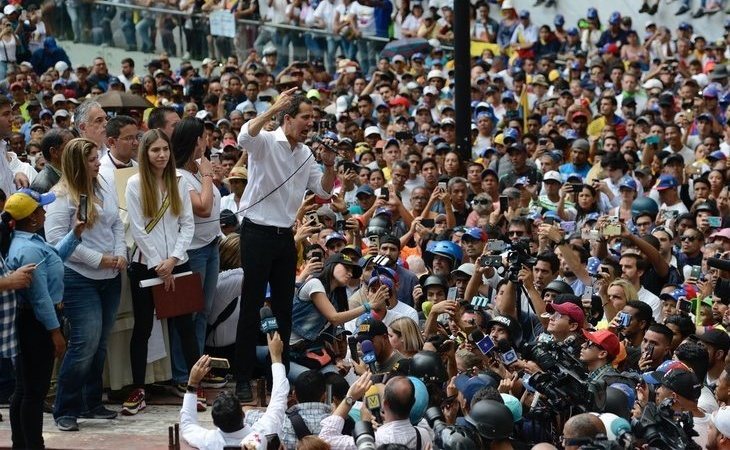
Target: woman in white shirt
<point>9,42</point>
<point>92,280</point>
<point>161,222</point>
<point>188,144</point>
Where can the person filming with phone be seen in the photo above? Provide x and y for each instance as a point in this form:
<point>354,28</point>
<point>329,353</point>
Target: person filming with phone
<point>227,413</point>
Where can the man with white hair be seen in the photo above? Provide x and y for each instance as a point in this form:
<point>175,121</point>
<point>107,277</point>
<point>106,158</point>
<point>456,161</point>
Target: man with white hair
<point>90,119</point>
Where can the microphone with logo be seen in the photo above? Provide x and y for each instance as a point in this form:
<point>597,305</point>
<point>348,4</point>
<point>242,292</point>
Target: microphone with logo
<point>368,354</point>
<point>268,321</point>
<point>372,402</point>
<point>507,353</point>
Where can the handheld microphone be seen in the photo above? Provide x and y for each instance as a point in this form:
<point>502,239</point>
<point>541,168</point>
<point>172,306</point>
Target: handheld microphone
<point>368,354</point>
<point>426,308</point>
<point>476,336</point>
<point>372,402</point>
<point>352,343</point>
<point>268,321</point>
<point>508,354</point>
<point>621,428</point>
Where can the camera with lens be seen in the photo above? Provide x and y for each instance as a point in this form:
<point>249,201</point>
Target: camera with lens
<point>518,256</point>
<point>659,426</point>
<point>364,436</point>
<point>564,379</point>
<point>436,421</point>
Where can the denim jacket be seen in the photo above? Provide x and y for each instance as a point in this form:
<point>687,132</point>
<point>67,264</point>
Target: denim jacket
<point>307,322</point>
<point>46,289</point>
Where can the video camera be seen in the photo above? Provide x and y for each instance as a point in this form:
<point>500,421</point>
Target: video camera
<point>659,426</point>
<point>364,436</point>
<point>564,380</point>
<point>518,255</point>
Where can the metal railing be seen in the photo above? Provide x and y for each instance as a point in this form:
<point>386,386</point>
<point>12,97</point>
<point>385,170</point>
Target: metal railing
<point>255,23</point>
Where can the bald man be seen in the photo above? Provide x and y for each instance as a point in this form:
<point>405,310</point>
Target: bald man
<point>544,446</point>
<point>580,430</point>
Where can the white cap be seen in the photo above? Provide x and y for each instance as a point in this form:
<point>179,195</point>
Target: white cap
<point>373,130</point>
<point>207,61</point>
<point>701,79</point>
<point>202,114</point>
<point>435,43</point>
<point>9,9</point>
<point>61,113</point>
<point>412,85</point>
<point>341,104</point>
<point>653,84</point>
<point>508,4</point>
<point>435,73</point>
<point>649,23</point>
<point>448,121</point>
<point>430,90</point>
<point>721,420</point>
<point>554,176</point>
<point>400,58</point>
<point>58,98</point>
<point>61,66</point>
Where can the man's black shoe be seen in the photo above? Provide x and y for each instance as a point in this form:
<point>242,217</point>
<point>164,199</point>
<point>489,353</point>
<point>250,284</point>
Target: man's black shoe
<point>653,9</point>
<point>67,424</point>
<point>243,391</point>
<point>644,8</point>
<point>682,10</point>
<point>100,413</point>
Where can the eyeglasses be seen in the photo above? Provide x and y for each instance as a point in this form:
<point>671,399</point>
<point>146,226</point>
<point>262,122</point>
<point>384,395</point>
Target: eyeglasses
<point>515,233</point>
<point>589,344</point>
<point>688,238</point>
<point>481,202</point>
<point>131,138</point>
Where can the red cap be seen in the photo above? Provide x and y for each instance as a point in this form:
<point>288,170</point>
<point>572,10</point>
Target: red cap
<point>400,100</point>
<point>568,309</point>
<point>579,113</point>
<point>606,340</point>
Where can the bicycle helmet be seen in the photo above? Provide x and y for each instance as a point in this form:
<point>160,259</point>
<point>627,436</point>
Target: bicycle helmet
<point>644,205</point>
<point>559,287</point>
<point>493,420</point>
<point>447,249</point>
<point>435,280</point>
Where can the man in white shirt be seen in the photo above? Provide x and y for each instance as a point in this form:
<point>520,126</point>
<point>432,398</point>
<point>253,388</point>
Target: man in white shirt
<point>227,413</point>
<point>280,170</point>
<point>122,137</point>
<point>90,120</point>
<point>673,136</point>
<point>632,268</point>
<point>398,399</point>
<point>8,179</point>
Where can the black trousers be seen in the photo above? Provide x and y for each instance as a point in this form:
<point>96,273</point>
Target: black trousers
<point>268,255</point>
<point>144,306</point>
<point>33,378</point>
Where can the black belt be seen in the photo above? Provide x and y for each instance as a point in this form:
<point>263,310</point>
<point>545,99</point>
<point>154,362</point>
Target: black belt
<point>267,228</point>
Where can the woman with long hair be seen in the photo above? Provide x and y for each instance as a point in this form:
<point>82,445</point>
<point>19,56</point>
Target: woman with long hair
<point>717,183</point>
<point>628,190</point>
<point>92,280</point>
<point>405,336</point>
<point>587,202</point>
<point>615,296</point>
<point>319,306</point>
<point>10,44</point>
<point>188,144</point>
<point>149,84</point>
<point>161,223</point>
<point>38,316</point>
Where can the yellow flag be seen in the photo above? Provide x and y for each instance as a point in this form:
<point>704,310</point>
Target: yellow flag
<point>523,104</point>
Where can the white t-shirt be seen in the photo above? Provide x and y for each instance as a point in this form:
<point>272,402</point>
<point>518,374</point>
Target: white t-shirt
<point>206,228</point>
<point>651,300</point>
<point>400,310</point>
<point>311,287</point>
<point>326,11</point>
<point>707,401</point>
<point>365,17</point>
<point>702,427</point>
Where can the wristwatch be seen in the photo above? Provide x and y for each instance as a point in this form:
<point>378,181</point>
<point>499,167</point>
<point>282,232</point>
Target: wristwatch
<point>192,389</point>
<point>349,400</point>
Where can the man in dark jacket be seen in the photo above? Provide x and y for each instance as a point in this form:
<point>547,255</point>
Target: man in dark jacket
<point>52,148</point>
<point>47,57</point>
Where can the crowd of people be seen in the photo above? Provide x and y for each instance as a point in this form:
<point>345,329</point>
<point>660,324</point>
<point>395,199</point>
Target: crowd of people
<point>564,283</point>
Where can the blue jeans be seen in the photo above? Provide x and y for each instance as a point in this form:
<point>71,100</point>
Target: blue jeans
<point>130,33</point>
<point>74,13</point>
<point>91,309</point>
<point>144,27</point>
<point>205,261</point>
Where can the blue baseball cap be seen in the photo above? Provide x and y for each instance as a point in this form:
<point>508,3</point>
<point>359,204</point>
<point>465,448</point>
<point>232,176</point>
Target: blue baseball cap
<point>382,279</point>
<point>334,237</point>
<point>468,386</point>
<point>508,95</point>
<point>574,177</point>
<point>627,182</point>
<point>364,189</point>
<point>559,20</point>
<point>553,214</point>
<point>510,133</point>
<point>475,233</point>
<point>614,18</point>
<point>572,31</point>
<point>570,134</point>
<point>592,13</point>
<point>524,14</point>
<point>593,265</point>
<point>666,182</point>
<point>675,295</point>
<point>591,217</point>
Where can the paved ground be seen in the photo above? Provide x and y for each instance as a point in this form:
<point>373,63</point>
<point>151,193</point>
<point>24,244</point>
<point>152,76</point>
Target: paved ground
<point>147,430</point>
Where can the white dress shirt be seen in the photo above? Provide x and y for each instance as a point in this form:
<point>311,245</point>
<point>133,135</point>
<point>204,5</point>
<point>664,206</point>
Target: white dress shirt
<point>108,166</point>
<point>18,166</point>
<point>269,423</point>
<point>7,177</point>
<point>652,300</point>
<point>229,202</point>
<point>395,432</point>
<point>170,237</point>
<point>206,228</point>
<point>271,161</point>
<point>106,237</point>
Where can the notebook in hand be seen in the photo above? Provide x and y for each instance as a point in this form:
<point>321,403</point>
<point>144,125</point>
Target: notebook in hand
<point>187,297</point>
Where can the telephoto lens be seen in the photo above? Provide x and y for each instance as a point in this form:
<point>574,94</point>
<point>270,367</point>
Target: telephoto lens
<point>364,436</point>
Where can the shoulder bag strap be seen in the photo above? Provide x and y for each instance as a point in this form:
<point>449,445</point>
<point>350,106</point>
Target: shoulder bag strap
<point>225,314</point>
<point>418,438</point>
<point>155,220</point>
<point>300,427</point>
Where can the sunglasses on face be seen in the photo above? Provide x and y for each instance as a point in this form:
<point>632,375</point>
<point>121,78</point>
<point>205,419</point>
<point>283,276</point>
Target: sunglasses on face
<point>481,202</point>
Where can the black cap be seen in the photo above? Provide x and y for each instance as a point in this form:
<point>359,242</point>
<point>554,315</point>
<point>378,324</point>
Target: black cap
<point>717,338</point>
<point>228,219</point>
